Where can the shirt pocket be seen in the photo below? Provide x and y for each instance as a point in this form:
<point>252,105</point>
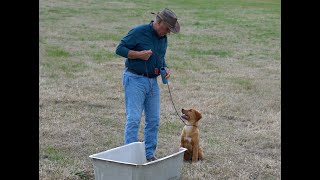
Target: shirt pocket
<point>144,46</point>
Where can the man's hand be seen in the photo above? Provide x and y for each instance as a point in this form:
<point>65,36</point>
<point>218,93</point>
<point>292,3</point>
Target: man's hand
<point>168,73</point>
<point>145,54</point>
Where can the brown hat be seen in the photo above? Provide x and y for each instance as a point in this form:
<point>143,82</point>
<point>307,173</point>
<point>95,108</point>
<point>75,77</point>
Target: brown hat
<point>170,19</point>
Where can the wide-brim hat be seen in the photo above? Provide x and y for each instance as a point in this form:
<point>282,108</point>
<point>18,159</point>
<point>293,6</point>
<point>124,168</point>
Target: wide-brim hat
<point>170,19</point>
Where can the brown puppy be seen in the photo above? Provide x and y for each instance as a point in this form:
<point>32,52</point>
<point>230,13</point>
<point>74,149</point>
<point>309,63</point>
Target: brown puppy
<point>190,135</point>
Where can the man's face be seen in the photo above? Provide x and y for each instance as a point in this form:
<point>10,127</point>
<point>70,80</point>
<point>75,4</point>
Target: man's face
<point>163,29</point>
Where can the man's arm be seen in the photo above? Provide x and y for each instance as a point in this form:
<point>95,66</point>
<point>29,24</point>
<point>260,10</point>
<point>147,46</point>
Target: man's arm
<point>145,54</point>
<point>128,43</point>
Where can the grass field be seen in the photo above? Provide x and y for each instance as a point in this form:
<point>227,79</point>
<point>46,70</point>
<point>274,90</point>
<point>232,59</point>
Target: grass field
<point>226,62</point>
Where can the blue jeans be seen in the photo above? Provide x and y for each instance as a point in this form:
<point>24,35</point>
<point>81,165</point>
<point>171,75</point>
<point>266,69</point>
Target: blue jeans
<point>142,94</point>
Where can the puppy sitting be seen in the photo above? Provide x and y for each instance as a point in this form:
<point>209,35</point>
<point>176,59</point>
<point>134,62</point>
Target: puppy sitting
<point>190,135</point>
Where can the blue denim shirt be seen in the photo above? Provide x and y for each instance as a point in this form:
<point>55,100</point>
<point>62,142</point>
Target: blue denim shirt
<point>144,37</point>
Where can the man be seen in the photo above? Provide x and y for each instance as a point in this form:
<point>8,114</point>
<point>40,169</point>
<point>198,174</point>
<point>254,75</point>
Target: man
<point>144,48</point>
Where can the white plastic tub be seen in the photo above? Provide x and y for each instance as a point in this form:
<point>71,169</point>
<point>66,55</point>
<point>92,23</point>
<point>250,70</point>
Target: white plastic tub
<point>128,162</point>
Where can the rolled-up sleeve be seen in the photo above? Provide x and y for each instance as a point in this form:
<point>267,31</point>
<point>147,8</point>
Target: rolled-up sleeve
<point>127,43</point>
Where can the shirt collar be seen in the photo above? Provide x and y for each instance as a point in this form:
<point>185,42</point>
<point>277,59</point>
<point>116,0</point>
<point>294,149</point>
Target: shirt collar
<point>154,32</point>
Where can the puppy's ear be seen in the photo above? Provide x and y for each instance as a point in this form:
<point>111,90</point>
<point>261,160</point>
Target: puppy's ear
<point>198,115</point>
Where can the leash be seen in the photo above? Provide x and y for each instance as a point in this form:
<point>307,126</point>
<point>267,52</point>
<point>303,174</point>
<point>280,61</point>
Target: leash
<point>145,62</point>
<point>157,56</point>
<point>170,98</point>
<point>176,109</point>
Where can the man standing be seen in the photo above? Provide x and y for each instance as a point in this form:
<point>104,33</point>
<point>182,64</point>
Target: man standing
<point>144,48</point>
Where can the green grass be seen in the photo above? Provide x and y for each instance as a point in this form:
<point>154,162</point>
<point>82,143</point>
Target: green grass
<point>57,52</point>
<point>53,153</point>
<point>225,63</point>
<point>68,68</point>
<point>244,83</point>
<point>95,36</point>
<point>169,127</point>
<point>103,56</point>
<point>201,52</point>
